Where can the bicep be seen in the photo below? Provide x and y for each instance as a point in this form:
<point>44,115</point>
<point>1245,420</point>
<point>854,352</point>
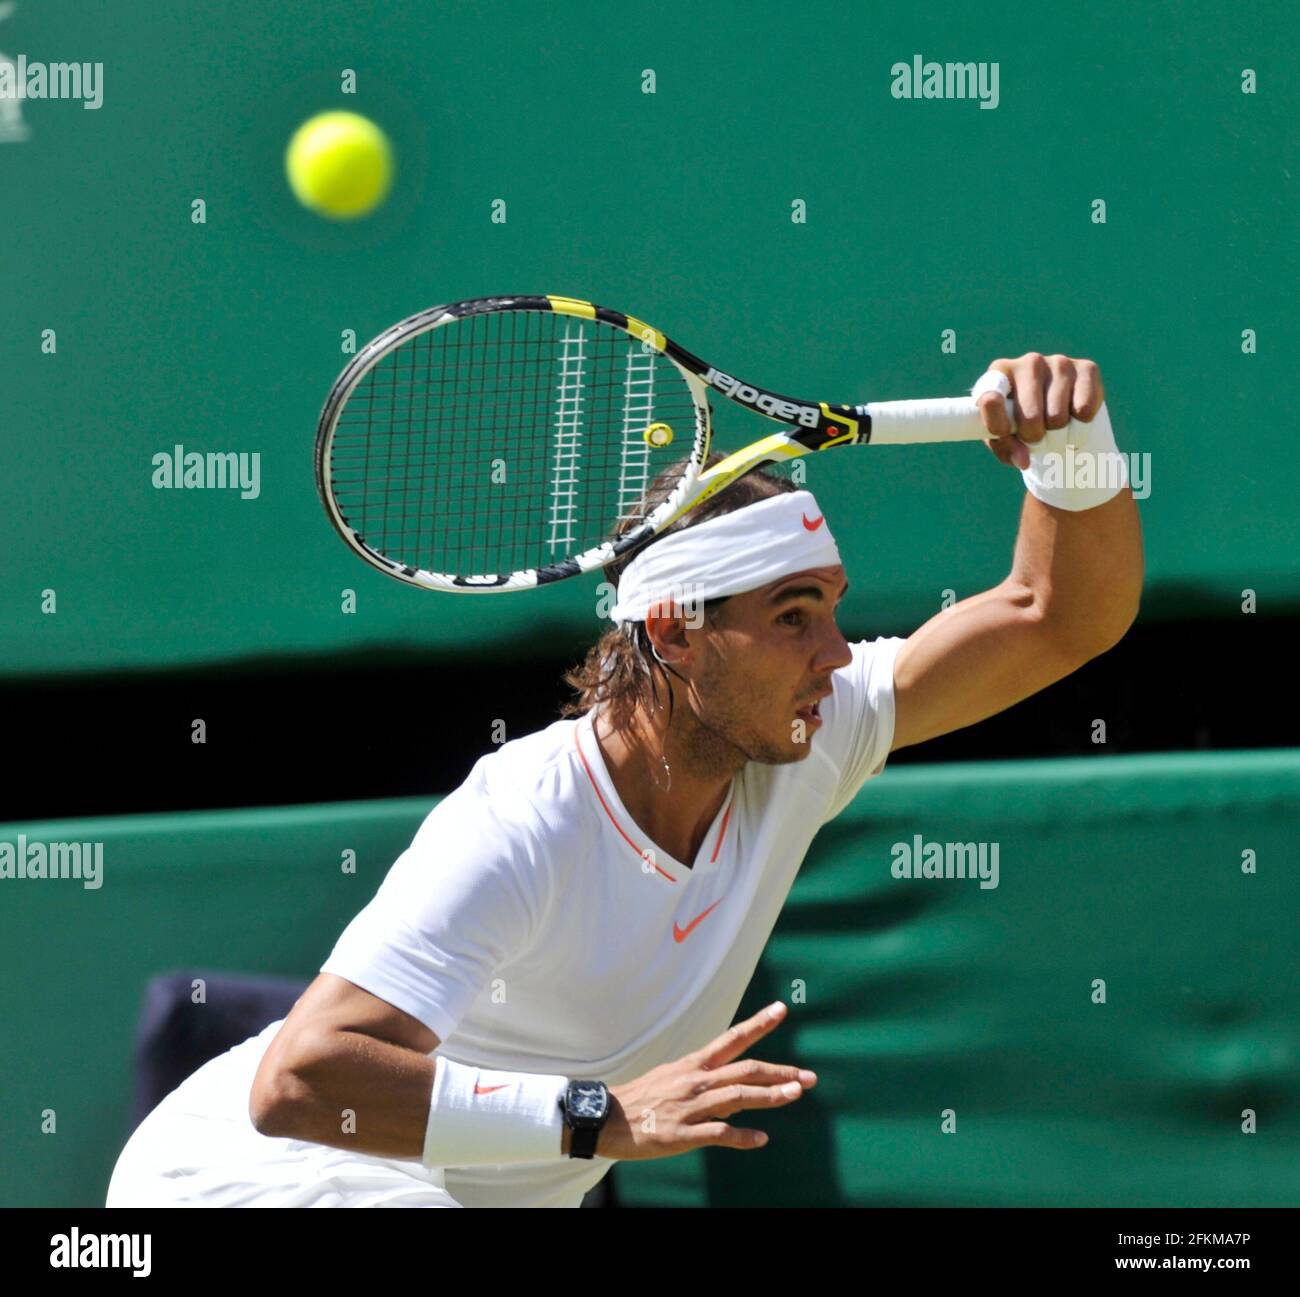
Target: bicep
<point>333,1004</point>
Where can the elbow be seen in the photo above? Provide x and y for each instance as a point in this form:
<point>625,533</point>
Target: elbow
<point>278,1101</point>
<point>1118,619</point>
<point>1123,625</point>
<point>267,1108</point>
<point>1100,633</point>
<point>1122,609</point>
<point>1077,633</point>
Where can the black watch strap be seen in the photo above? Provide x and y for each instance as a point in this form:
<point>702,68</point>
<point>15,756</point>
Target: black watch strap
<point>585,1108</point>
<point>582,1142</point>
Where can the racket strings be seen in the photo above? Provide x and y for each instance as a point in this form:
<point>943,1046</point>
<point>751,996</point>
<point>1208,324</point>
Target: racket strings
<point>506,441</point>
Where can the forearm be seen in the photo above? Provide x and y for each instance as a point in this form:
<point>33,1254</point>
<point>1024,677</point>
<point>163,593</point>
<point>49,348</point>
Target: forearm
<point>1083,570</point>
<point>1072,592</point>
<point>352,1091</point>
<point>346,1090</point>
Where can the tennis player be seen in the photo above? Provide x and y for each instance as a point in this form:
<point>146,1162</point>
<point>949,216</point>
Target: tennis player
<point>545,982</point>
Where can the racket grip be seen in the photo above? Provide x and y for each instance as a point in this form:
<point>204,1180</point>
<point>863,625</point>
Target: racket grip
<point>944,418</point>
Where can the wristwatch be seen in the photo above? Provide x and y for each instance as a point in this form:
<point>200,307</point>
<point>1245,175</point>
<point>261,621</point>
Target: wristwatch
<point>585,1105</point>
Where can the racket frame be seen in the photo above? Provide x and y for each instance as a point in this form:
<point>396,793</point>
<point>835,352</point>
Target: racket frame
<point>814,426</point>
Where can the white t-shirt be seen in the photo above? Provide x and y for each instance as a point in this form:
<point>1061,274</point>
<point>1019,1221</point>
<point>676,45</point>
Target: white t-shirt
<point>522,929</point>
<point>533,928</point>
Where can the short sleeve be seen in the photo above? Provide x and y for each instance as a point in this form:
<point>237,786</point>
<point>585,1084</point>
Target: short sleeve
<point>859,729</point>
<point>459,903</point>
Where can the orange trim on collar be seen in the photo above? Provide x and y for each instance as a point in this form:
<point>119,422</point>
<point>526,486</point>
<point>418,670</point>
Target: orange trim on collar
<point>600,798</point>
<point>722,832</point>
<point>595,787</point>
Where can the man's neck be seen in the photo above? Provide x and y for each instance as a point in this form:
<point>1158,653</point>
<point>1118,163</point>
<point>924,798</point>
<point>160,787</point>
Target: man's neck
<point>700,771</point>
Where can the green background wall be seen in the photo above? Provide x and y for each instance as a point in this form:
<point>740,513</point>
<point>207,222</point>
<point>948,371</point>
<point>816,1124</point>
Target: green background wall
<point>922,216</point>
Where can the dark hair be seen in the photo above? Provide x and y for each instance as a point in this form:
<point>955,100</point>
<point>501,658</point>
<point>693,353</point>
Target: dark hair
<point>618,669</point>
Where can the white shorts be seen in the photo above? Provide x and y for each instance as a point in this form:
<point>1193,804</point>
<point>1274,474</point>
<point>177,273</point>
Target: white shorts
<point>199,1148</point>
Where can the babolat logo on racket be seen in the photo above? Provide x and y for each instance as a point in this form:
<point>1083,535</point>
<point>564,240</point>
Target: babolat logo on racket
<point>763,402</point>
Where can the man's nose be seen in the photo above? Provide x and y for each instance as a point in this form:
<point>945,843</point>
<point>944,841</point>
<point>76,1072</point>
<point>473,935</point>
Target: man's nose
<point>835,652</point>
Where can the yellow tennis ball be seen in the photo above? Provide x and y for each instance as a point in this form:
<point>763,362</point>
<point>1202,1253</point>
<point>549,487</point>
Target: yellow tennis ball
<point>339,164</point>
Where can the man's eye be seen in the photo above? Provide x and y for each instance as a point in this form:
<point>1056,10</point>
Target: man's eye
<point>796,613</point>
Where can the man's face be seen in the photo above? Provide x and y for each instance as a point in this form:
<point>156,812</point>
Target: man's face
<point>760,669</point>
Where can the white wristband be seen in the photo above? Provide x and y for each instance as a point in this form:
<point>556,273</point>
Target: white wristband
<point>1076,467</point>
<point>478,1116</point>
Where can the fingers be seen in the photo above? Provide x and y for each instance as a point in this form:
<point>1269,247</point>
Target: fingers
<point>753,1072</point>
<point>718,1134</point>
<point>1060,387</point>
<point>723,1086</point>
<point>1030,376</point>
<point>725,1100</point>
<point>1009,450</point>
<point>1088,391</point>
<point>1004,445</point>
<point>993,406</point>
<point>668,1112</point>
<point>1048,392</point>
<point>729,1099</point>
<point>739,1037</point>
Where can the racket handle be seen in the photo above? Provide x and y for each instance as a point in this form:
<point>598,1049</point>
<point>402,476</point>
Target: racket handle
<point>945,418</point>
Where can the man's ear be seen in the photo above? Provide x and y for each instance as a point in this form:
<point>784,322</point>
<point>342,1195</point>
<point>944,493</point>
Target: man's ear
<point>667,634</point>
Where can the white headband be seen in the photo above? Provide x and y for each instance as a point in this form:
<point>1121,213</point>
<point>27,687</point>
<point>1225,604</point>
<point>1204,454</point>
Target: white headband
<point>728,554</point>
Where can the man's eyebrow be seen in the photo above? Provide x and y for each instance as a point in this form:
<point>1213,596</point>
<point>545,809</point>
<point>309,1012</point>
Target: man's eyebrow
<point>803,592</point>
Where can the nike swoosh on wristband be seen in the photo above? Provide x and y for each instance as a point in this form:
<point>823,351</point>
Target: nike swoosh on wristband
<point>812,526</point>
<point>487,1089</point>
<point>680,934</point>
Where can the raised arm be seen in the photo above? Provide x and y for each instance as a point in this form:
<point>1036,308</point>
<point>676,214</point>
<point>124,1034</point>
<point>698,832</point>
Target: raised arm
<point>1072,592</point>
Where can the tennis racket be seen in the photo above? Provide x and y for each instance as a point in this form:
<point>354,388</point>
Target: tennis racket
<point>495,444</point>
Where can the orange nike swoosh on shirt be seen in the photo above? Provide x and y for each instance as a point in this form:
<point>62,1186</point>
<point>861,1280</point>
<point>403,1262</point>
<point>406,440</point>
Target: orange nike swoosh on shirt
<point>812,526</point>
<point>487,1089</point>
<point>680,934</point>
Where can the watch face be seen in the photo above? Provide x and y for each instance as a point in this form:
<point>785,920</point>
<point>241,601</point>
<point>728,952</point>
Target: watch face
<point>587,1101</point>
